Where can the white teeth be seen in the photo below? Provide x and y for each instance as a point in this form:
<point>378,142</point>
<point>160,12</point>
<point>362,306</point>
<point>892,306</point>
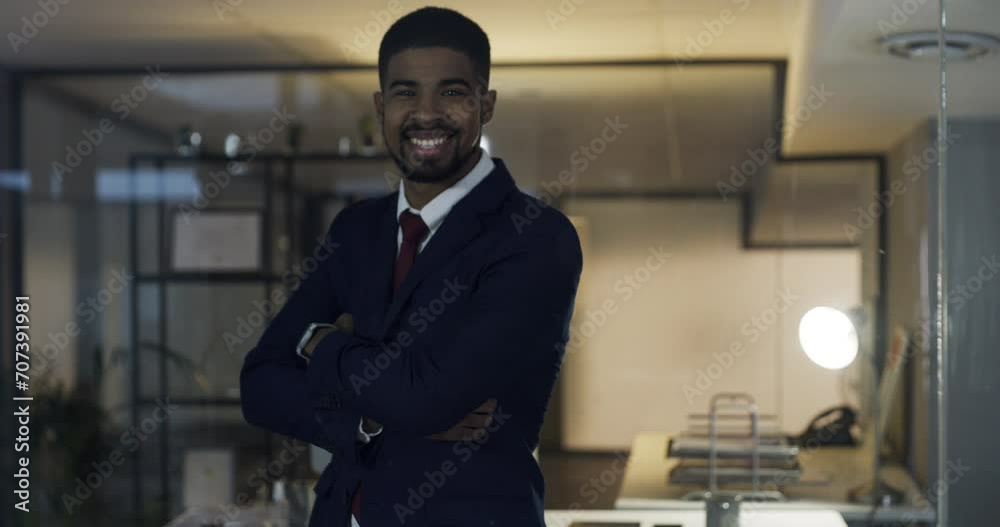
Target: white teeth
<point>427,143</point>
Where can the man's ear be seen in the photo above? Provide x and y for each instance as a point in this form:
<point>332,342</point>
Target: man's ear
<point>486,106</point>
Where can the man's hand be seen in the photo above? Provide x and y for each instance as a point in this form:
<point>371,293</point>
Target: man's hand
<point>479,419</point>
<point>344,323</point>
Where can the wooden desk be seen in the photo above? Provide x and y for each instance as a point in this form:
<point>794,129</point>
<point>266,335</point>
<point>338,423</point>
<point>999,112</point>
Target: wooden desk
<point>645,486</point>
<point>569,518</point>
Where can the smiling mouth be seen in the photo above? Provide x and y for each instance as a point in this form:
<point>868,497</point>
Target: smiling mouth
<point>429,144</point>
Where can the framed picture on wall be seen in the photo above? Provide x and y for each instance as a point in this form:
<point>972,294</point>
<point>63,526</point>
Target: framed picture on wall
<point>216,241</point>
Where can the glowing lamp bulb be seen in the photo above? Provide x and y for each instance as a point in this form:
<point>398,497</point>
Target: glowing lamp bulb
<point>828,337</point>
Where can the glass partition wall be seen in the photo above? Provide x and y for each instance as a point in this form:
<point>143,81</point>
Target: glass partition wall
<point>766,227</point>
<point>964,262</point>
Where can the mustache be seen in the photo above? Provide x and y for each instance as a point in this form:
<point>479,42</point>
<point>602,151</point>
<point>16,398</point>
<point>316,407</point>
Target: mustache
<point>433,126</point>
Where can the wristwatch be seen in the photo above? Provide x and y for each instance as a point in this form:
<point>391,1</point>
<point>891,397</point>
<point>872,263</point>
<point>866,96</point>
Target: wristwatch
<point>310,331</point>
<point>363,436</point>
<point>366,437</point>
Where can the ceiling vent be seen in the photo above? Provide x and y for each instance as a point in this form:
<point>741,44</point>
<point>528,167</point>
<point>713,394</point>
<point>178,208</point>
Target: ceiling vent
<point>924,45</point>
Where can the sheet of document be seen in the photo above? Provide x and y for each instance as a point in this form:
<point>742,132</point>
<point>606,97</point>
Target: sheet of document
<point>216,241</point>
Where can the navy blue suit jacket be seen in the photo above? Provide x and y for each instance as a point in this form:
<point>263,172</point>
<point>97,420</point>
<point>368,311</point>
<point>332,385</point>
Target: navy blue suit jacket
<point>484,312</point>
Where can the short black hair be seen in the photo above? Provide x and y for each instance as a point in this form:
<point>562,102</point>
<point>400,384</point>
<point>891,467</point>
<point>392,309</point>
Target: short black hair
<point>436,27</point>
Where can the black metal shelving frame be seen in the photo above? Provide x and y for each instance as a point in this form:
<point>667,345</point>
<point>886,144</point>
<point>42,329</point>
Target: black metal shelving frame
<point>163,276</point>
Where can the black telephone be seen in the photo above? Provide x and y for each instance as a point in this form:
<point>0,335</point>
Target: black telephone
<point>832,427</point>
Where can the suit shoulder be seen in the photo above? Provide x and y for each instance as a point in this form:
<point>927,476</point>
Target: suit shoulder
<point>533,221</point>
<point>532,211</point>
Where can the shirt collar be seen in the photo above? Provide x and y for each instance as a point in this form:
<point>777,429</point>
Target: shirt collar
<point>434,212</point>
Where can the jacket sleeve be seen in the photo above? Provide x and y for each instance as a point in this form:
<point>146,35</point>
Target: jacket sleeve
<point>516,318</point>
<point>273,389</point>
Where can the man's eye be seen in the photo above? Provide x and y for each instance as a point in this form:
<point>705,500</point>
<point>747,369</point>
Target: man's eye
<point>453,92</point>
<point>405,93</point>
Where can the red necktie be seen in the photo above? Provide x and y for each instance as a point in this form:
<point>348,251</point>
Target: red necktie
<point>414,230</point>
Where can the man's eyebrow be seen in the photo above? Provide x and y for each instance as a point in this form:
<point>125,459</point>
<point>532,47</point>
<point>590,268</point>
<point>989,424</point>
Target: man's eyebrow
<point>458,80</point>
<point>405,83</point>
<point>442,82</point>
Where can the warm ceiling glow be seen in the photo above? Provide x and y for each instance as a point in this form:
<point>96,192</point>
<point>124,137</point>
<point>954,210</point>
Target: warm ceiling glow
<point>828,337</point>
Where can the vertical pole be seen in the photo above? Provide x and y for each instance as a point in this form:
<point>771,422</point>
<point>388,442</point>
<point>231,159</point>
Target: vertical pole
<point>134,363</point>
<point>941,313</point>
<point>163,270</point>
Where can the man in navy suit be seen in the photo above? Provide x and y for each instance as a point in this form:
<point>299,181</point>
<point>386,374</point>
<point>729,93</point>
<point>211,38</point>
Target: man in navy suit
<point>423,351</point>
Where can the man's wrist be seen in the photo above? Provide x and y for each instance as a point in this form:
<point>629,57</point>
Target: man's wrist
<point>365,435</point>
<point>311,337</point>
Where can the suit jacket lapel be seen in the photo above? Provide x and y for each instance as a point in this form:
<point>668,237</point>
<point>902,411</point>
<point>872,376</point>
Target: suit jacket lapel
<point>460,227</point>
<point>382,258</point>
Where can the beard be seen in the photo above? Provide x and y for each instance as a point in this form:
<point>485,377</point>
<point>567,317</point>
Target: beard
<point>412,168</point>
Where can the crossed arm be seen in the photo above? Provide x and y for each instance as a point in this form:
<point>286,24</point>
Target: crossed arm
<point>514,317</point>
<point>464,430</point>
<point>273,389</point>
<point>279,389</point>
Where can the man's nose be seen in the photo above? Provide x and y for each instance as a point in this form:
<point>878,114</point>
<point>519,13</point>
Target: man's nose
<point>428,108</point>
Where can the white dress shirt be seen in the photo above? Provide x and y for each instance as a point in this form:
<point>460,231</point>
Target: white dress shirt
<point>435,211</point>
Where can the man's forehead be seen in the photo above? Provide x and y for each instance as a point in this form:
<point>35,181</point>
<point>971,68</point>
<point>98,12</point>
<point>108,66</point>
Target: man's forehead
<point>429,64</point>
